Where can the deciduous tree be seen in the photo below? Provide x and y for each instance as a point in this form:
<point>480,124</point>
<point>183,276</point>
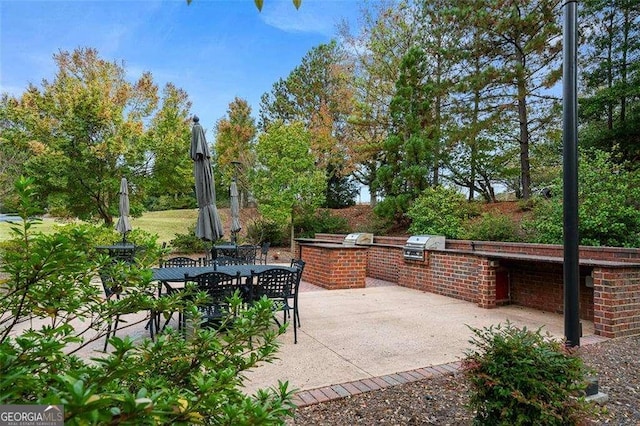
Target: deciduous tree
<point>235,140</point>
<point>85,130</point>
<point>286,178</point>
<point>386,35</point>
<point>318,93</point>
<point>169,133</point>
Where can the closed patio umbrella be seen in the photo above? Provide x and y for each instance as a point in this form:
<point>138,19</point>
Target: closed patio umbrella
<point>208,226</point>
<point>123,225</point>
<point>235,210</point>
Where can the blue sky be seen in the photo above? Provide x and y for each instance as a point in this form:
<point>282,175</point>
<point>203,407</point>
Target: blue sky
<point>214,49</point>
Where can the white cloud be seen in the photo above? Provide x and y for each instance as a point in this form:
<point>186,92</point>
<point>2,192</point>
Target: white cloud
<point>312,17</point>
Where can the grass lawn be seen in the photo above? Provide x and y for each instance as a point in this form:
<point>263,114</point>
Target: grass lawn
<point>166,224</point>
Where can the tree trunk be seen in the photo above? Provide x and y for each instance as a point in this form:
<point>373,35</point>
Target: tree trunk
<point>610,73</point>
<point>525,167</point>
<point>623,67</point>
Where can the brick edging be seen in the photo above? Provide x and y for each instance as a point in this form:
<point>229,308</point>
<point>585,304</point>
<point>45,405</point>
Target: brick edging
<point>343,390</point>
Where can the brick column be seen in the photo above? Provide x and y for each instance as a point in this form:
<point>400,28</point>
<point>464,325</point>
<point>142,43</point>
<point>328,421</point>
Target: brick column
<point>334,266</point>
<point>616,301</point>
<point>487,283</point>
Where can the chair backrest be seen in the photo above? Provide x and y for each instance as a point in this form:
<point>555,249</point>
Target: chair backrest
<point>180,261</point>
<point>275,283</point>
<point>264,252</point>
<point>248,252</point>
<point>123,254</point>
<point>110,284</point>
<point>298,264</point>
<point>264,248</point>
<point>230,252</point>
<point>228,260</point>
<point>218,285</point>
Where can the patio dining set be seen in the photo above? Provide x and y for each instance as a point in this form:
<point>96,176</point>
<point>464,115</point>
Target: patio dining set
<point>229,269</point>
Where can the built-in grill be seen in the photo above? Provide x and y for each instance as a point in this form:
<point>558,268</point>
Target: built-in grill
<point>416,245</point>
<point>358,238</point>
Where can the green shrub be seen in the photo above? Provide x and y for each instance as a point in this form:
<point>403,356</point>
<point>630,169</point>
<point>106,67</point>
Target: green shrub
<point>520,377</point>
<point>321,221</point>
<point>189,243</point>
<point>438,211</point>
<point>491,227</point>
<point>48,284</point>
<point>608,208</point>
<point>392,210</point>
<point>260,231</point>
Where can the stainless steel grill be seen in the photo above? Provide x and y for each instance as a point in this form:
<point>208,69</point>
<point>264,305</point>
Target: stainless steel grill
<point>416,245</point>
<point>358,238</point>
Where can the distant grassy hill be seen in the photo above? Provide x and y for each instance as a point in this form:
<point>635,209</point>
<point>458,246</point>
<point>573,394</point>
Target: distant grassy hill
<point>163,223</point>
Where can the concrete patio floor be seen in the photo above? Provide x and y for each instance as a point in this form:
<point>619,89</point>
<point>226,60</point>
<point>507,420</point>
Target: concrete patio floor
<point>356,334</point>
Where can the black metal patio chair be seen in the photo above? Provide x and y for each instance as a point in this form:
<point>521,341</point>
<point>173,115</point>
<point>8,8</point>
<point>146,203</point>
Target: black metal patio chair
<point>113,283</point>
<point>174,262</point>
<point>264,253</point>
<point>277,284</point>
<point>299,265</point>
<point>219,287</point>
<point>248,252</point>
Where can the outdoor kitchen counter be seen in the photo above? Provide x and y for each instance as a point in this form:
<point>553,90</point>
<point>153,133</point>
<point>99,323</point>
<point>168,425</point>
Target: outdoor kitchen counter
<point>333,265</point>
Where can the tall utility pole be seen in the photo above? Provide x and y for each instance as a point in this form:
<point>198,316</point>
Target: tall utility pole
<point>570,174</point>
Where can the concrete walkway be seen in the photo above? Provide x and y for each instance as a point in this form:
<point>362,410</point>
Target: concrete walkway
<point>363,339</point>
<point>357,340</point>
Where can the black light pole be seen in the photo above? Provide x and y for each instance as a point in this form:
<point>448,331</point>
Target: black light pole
<point>570,174</point>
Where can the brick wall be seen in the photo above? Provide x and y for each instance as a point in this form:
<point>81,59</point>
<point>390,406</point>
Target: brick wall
<point>334,267</point>
<point>616,301</point>
<point>465,271</point>
<point>541,286</point>
<point>452,275</point>
<point>383,261</point>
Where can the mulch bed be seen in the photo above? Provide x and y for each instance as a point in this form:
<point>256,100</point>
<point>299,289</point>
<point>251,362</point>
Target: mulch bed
<point>442,400</point>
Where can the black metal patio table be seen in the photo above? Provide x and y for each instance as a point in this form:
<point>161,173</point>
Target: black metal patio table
<point>179,274</point>
<point>119,250</point>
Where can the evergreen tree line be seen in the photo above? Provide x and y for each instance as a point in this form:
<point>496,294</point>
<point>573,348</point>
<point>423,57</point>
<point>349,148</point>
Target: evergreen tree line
<point>463,94</point>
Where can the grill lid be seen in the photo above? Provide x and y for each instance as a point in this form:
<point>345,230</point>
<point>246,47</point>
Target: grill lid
<point>358,238</point>
<point>424,242</point>
<point>416,245</point>
<point>417,241</point>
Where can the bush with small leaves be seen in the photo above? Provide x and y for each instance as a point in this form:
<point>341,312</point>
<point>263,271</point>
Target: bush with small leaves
<point>261,230</point>
<point>439,211</point>
<point>491,227</point>
<point>51,308</point>
<point>520,377</point>
<point>188,243</point>
<point>608,207</point>
<point>321,221</point>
